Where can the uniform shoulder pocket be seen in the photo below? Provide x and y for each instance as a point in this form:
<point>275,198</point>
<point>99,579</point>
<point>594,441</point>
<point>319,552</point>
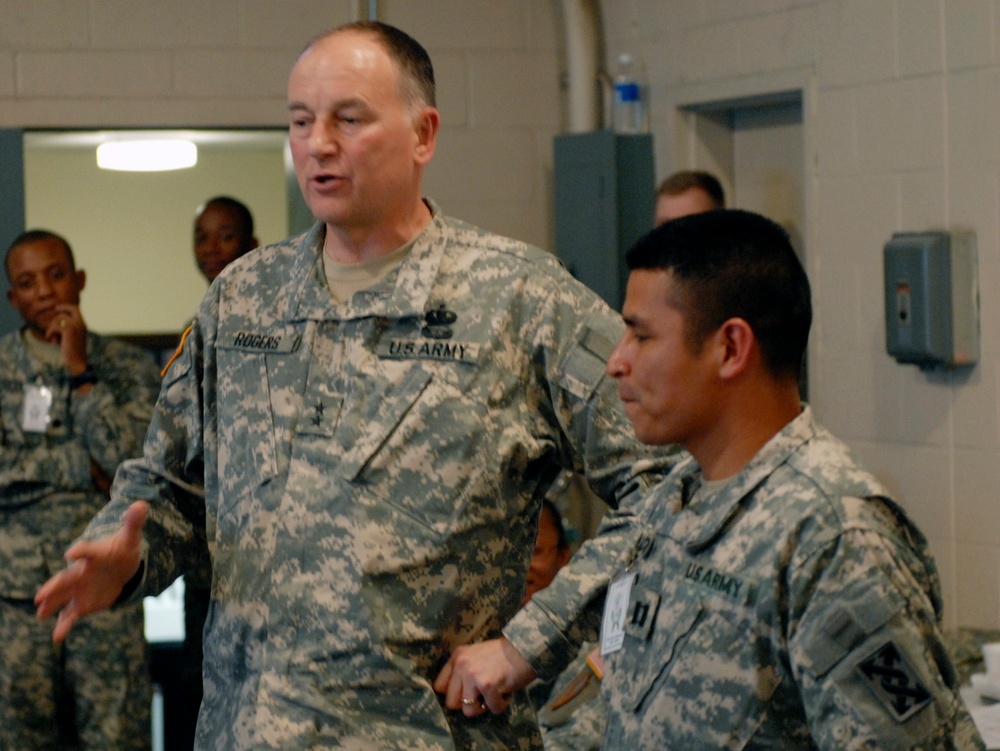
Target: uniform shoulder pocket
<point>851,623</point>
<point>584,365</point>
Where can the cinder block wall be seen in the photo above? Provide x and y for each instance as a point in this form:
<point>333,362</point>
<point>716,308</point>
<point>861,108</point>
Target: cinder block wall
<point>900,118</point>
<point>144,63</point>
<point>902,101</point>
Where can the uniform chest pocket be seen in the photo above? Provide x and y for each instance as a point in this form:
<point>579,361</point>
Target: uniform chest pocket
<point>247,456</point>
<point>704,656</point>
<point>417,447</point>
<point>655,629</point>
<point>371,424</point>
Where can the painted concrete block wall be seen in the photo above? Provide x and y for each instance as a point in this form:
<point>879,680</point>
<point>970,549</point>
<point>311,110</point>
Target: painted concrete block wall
<point>899,118</point>
<point>902,97</point>
<point>129,63</point>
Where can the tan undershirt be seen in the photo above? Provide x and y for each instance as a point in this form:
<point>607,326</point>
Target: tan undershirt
<point>346,279</point>
<point>47,352</point>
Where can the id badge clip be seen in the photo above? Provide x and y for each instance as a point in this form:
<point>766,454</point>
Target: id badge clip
<point>37,408</point>
<point>616,603</point>
<point>615,609</point>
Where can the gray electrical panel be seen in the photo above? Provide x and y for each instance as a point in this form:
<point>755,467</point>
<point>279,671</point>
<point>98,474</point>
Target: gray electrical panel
<point>604,202</point>
<point>932,299</point>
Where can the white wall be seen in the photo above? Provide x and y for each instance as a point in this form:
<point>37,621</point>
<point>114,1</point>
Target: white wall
<point>141,273</point>
<point>901,98</point>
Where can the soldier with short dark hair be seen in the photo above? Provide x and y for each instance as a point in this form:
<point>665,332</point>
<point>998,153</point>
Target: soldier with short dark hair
<point>223,232</point>
<point>775,596</point>
<point>688,192</point>
<point>73,405</point>
<point>570,710</point>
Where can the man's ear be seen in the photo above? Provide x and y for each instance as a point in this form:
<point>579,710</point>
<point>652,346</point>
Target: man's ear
<point>426,126</point>
<point>738,345</point>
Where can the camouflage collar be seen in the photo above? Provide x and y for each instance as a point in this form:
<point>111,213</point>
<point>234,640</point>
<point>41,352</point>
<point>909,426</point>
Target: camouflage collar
<point>701,523</point>
<point>404,293</point>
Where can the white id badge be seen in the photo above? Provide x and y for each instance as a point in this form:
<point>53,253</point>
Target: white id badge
<point>615,609</point>
<point>37,408</point>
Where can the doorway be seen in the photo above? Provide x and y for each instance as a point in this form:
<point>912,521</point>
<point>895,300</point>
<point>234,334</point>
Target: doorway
<point>132,231</point>
<point>755,146</point>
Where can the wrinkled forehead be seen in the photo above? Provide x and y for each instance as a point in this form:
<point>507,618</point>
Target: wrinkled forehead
<point>348,64</point>
<point>341,51</point>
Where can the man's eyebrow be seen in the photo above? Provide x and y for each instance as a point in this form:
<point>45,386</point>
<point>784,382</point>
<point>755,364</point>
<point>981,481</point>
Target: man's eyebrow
<point>42,270</point>
<point>351,101</point>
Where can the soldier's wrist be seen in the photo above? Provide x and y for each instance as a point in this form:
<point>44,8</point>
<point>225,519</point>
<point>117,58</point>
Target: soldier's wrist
<point>83,378</point>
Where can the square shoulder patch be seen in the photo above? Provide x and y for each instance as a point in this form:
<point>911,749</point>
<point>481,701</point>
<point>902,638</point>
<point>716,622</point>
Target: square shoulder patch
<point>894,682</point>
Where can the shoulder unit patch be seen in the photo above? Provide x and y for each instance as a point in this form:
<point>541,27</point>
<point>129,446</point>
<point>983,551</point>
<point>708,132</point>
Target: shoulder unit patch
<point>894,682</point>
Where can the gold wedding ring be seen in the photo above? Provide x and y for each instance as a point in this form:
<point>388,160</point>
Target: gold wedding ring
<point>470,702</point>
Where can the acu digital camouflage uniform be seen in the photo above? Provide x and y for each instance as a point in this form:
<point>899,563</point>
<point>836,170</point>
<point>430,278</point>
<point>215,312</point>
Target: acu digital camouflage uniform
<point>797,607</point>
<point>572,715</point>
<point>373,472</point>
<point>47,496</point>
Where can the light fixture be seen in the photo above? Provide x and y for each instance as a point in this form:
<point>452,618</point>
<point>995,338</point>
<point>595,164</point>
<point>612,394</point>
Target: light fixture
<point>150,155</point>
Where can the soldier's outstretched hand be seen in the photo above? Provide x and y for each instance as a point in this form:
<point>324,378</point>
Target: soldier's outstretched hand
<point>97,573</point>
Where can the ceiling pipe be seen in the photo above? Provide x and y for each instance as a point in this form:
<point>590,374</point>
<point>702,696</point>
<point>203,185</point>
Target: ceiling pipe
<point>366,10</point>
<point>585,88</point>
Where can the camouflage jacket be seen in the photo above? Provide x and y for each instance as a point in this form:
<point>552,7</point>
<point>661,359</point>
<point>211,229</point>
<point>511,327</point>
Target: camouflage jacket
<point>572,714</point>
<point>373,472</point>
<point>47,495</point>
<point>797,607</point>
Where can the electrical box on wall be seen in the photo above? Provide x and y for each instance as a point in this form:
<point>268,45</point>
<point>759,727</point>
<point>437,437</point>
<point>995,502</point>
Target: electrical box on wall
<point>605,193</point>
<point>932,299</point>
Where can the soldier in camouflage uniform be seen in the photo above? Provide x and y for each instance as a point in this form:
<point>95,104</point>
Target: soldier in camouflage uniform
<point>223,232</point>
<point>376,409</point>
<point>73,405</point>
<point>574,715</point>
<point>775,596</point>
<point>570,711</point>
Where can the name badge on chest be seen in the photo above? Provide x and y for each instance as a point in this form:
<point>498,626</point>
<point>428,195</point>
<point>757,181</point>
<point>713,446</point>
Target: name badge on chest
<point>37,408</point>
<point>615,610</point>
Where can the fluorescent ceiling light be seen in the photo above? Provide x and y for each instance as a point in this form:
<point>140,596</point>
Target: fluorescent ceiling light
<point>153,155</point>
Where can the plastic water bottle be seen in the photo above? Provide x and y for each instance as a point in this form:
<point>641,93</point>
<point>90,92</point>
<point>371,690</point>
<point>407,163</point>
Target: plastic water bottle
<point>628,112</point>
